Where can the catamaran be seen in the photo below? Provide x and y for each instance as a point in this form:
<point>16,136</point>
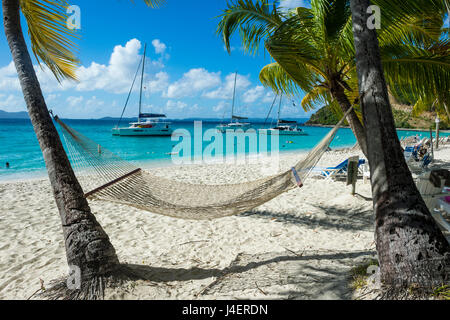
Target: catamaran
<point>236,124</point>
<point>148,124</point>
<point>284,127</point>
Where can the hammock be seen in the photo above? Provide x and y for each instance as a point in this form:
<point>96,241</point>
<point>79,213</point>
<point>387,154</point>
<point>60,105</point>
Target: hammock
<point>111,178</point>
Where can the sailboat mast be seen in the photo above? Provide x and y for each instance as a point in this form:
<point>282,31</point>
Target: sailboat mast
<point>234,95</point>
<point>279,107</point>
<point>142,80</point>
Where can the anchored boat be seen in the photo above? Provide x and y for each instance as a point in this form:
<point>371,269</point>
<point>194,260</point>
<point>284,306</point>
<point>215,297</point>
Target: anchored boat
<point>284,127</point>
<point>236,124</point>
<point>148,124</point>
<point>152,126</point>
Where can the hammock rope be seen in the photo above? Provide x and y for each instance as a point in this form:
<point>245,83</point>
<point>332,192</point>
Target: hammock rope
<point>110,178</point>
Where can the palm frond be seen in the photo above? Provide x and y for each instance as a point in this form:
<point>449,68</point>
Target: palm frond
<point>255,21</point>
<point>418,73</point>
<point>319,95</point>
<point>274,77</point>
<point>419,107</point>
<point>51,41</point>
<point>395,9</point>
<point>154,3</point>
<point>332,16</point>
<point>293,46</point>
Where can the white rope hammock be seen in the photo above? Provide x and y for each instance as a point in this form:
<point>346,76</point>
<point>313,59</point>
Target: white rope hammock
<point>120,181</point>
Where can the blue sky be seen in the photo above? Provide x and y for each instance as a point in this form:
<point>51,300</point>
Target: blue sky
<point>188,71</point>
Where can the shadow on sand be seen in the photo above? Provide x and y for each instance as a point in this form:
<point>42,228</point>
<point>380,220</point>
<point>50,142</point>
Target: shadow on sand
<point>331,218</point>
<point>306,275</point>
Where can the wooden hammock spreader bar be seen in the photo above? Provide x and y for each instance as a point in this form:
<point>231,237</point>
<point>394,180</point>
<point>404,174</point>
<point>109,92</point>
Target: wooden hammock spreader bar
<point>111,182</point>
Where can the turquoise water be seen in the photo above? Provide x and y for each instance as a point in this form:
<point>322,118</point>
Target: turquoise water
<point>19,146</point>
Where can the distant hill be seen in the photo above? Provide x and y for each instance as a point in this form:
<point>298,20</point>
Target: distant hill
<point>324,116</point>
<point>13,115</point>
<point>402,117</point>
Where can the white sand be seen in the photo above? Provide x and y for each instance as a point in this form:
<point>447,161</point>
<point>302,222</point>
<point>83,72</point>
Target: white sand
<point>300,245</point>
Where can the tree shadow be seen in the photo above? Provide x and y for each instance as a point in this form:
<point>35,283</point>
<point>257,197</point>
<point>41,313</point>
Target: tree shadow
<point>331,218</point>
<point>307,275</point>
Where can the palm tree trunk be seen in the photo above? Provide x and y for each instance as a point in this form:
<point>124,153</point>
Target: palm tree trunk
<point>87,245</point>
<point>355,124</point>
<point>446,111</point>
<point>411,248</point>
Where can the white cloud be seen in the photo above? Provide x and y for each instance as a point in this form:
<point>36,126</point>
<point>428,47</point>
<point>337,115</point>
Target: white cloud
<point>221,106</point>
<point>12,103</point>
<point>225,91</point>
<point>289,110</point>
<point>74,101</point>
<point>94,102</point>
<point>160,83</point>
<point>212,90</point>
<point>195,108</point>
<point>192,82</point>
<point>286,5</point>
<point>231,48</point>
<point>160,47</point>
<point>253,94</point>
<point>8,78</point>
<point>115,77</point>
<point>175,105</point>
<point>268,97</point>
<point>52,98</point>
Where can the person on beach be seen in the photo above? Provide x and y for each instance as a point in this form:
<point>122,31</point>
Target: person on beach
<point>7,165</point>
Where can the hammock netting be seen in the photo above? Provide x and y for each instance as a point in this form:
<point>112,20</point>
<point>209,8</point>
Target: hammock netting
<point>111,178</point>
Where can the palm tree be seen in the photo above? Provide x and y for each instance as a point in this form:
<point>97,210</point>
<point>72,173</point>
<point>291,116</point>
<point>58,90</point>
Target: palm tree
<point>315,54</point>
<point>87,245</point>
<point>310,48</point>
<point>259,21</point>
<point>412,251</point>
<point>314,51</point>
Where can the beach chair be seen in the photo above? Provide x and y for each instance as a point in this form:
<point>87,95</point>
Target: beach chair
<point>340,169</point>
<point>431,195</point>
<point>427,159</point>
<point>415,164</point>
<point>410,153</point>
<point>423,164</point>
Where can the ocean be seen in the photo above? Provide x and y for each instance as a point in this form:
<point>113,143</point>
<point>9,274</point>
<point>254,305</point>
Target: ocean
<point>19,145</point>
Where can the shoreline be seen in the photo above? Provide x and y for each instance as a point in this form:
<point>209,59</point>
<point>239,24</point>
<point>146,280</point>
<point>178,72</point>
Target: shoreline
<point>156,164</point>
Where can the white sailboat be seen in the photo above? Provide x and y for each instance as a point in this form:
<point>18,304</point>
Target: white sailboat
<point>148,124</point>
<point>284,127</point>
<point>234,124</point>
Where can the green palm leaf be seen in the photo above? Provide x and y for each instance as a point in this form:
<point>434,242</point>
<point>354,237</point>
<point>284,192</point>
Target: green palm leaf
<point>275,77</point>
<point>255,22</point>
<point>418,73</point>
<point>51,41</point>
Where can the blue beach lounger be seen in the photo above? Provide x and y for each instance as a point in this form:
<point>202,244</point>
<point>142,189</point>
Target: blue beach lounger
<point>341,168</point>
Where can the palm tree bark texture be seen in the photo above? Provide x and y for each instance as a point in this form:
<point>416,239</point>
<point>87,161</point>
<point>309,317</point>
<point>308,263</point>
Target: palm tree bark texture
<point>412,250</point>
<point>87,245</point>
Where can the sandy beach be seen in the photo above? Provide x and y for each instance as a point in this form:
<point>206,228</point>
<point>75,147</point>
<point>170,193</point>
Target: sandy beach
<point>300,245</point>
